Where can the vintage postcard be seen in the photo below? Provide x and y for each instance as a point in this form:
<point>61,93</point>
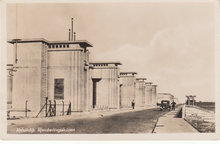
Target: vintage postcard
<point>110,70</point>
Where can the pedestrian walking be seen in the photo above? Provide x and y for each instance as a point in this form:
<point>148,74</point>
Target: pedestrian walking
<point>133,104</point>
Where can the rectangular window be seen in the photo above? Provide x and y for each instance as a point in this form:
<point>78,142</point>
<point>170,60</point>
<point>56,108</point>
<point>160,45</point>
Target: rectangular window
<point>58,89</point>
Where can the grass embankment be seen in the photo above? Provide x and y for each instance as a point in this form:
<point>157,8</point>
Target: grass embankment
<point>206,105</point>
<point>203,126</point>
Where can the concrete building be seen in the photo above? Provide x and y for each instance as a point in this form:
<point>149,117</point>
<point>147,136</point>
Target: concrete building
<point>140,92</point>
<point>58,70</point>
<point>127,88</point>
<point>164,96</point>
<point>154,94</point>
<point>176,100</point>
<point>105,85</point>
<point>148,93</point>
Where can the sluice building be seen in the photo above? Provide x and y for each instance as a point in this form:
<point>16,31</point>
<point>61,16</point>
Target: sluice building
<point>154,94</point>
<point>148,93</point>
<point>140,92</point>
<point>105,85</point>
<point>48,75</point>
<point>49,78</point>
<point>165,96</point>
<point>53,70</point>
<point>127,88</point>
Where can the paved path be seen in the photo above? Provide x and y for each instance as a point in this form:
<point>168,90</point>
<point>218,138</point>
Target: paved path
<point>142,121</point>
<point>170,123</point>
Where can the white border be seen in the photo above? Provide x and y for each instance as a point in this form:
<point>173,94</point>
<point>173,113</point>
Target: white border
<point>3,98</point>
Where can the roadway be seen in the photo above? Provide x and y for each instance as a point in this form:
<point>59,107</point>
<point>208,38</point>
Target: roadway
<point>142,121</point>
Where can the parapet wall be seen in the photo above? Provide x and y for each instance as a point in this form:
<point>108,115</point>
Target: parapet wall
<point>203,120</point>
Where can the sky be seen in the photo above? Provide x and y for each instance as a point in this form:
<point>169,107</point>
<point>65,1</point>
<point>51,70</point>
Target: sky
<point>170,43</point>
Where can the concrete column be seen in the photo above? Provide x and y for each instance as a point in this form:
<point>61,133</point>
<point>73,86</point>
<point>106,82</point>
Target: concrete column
<point>128,80</point>
<point>9,91</point>
<point>188,100</point>
<point>149,98</point>
<point>9,85</point>
<point>44,78</point>
<point>140,92</point>
<point>154,94</point>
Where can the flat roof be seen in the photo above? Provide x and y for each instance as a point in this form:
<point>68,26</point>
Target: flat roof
<point>165,94</point>
<point>148,82</point>
<point>9,64</point>
<point>141,79</point>
<point>83,43</point>
<point>110,62</point>
<point>128,72</point>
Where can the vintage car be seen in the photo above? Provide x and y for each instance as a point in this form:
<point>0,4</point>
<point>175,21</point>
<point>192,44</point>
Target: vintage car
<point>165,104</point>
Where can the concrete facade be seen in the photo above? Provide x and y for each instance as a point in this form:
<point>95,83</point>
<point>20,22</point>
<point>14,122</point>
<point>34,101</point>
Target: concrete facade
<point>127,88</point>
<point>40,63</point>
<point>27,80</point>
<point>148,93</point>
<point>140,92</point>
<point>60,71</point>
<point>105,79</point>
<point>154,94</point>
<point>70,64</point>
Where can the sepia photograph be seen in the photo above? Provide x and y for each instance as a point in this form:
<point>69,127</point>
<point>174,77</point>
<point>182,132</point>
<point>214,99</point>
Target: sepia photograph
<point>113,67</point>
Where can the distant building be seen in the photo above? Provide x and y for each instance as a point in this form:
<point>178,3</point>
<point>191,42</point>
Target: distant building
<point>190,100</point>
<point>164,96</point>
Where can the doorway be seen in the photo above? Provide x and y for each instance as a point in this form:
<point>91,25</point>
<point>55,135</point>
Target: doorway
<point>94,94</point>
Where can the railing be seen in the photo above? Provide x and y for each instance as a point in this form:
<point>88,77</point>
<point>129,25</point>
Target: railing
<point>25,111</point>
<point>51,108</point>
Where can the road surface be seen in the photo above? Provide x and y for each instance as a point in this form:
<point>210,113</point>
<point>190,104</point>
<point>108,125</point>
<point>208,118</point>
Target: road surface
<point>130,122</point>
